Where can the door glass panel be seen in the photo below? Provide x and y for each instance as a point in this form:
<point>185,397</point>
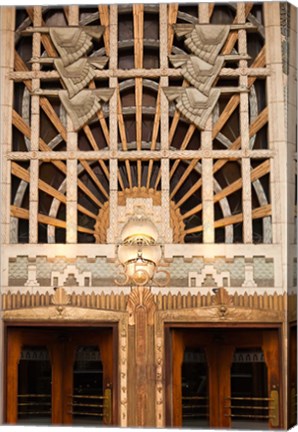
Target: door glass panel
<point>87,401</point>
<point>249,405</point>
<point>34,386</point>
<point>195,410</point>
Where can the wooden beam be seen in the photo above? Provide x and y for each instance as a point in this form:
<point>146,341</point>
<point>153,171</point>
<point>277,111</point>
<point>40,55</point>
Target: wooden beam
<point>155,130</point>
<point>176,117</point>
<point>45,38</point>
<point>183,146</point>
<point>248,8</point>
<point>138,23</point>
<point>44,102</point>
<point>123,138</point>
<point>21,213</point>
<point>259,122</point>
<point>211,9</point>
<point>182,179</point>
<point>91,173</point>
<point>172,18</point>
<point>185,142</point>
<point>101,119</point>
<point>256,173</point>
<point>23,174</point>
<point>20,124</point>
<point>235,99</point>
<point>95,147</point>
<point>257,213</point>
<point>103,11</point>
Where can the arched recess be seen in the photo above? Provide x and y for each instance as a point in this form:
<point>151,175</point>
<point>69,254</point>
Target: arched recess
<point>139,124</point>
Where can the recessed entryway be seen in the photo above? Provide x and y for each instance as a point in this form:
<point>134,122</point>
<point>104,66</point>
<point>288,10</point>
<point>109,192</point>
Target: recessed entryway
<point>224,377</point>
<point>61,375</point>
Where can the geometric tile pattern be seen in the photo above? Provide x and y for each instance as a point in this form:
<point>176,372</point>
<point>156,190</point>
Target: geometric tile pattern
<point>103,272</point>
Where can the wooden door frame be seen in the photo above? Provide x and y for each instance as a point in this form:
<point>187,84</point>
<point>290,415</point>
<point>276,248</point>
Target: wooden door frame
<point>70,326</point>
<point>168,326</point>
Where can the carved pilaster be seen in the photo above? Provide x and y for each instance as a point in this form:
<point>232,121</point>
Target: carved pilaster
<point>141,308</point>
<point>159,380</point>
<point>123,352</point>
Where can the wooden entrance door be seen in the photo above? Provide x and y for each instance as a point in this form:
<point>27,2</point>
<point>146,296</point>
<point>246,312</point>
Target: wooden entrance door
<point>225,378</point>
<point>60,376</point>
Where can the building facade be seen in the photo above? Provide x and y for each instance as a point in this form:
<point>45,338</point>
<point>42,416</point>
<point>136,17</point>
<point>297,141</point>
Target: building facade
<point>177,117</point>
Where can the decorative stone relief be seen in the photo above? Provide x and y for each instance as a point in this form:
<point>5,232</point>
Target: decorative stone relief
<point>209,275</point>
<point>100,270</point>
<point>200,69</point>
<point>82,107</point>
<point>76,71</point>
<point>198,72</point>
<point>77,75</point>
<point>74,42</point>
<point>150,201</point>
<point>159,380</point>
<point>141,308</point>
<point>249,278</point>
<point>71,272</point>
<point>141,296</point>
<point>205,41</point>
<point>223,300</point>
<point>123,371</point>
<point>31,281</point>
<point>193,104</point>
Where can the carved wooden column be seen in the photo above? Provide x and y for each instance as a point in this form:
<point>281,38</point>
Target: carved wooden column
<point>141,308</point>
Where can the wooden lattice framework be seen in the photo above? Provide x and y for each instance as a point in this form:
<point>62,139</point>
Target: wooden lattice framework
<point>191,168</point>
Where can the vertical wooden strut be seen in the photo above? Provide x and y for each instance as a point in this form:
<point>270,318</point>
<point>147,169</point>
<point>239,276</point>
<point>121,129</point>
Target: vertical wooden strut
<point>138,25</point>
